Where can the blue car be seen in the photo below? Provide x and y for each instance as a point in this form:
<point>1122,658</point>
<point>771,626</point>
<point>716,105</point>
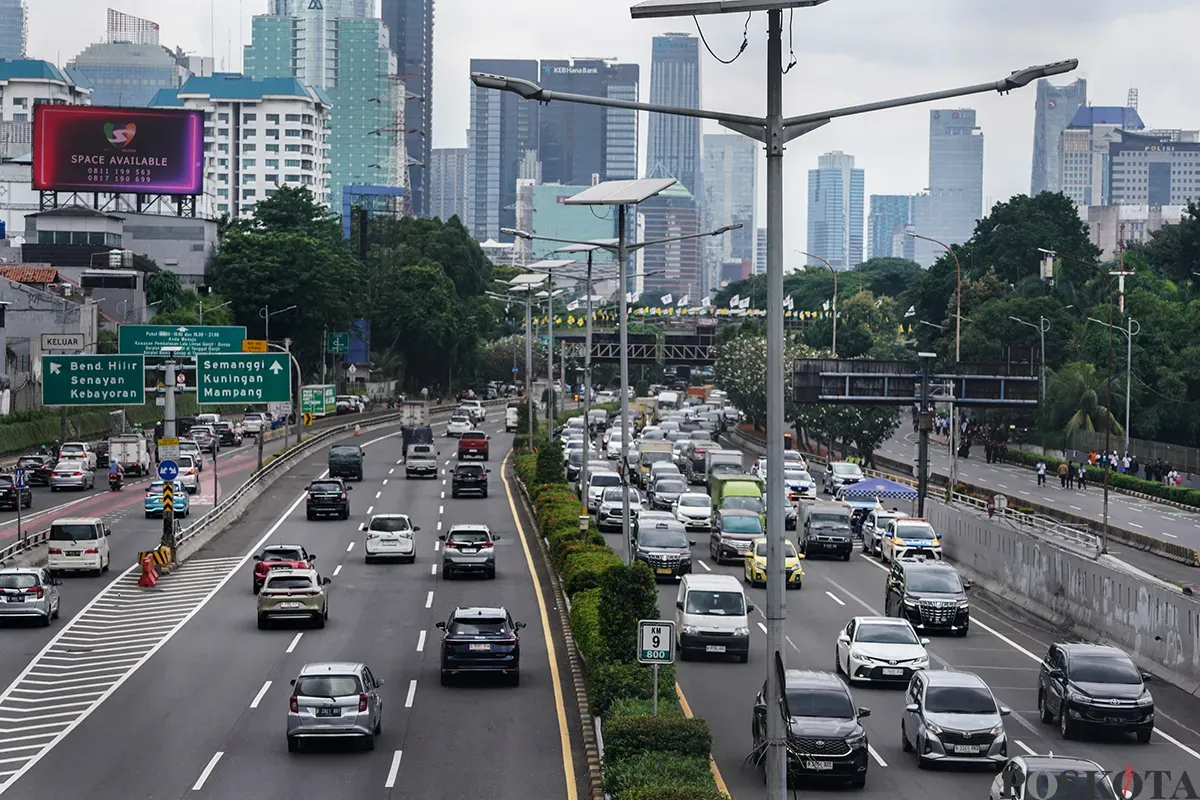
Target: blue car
<point>154,500</point>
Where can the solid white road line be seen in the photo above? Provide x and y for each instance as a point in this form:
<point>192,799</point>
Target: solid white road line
<point>875,756</point>
<point>295,641</point>
<point>393,771</point>
<point>763,627</point>
<point>207,771</point>
<point>707,568</point>
<point>258,697</point>
<point>349,547</point>
<point>412,693</point>
<point>429,600</point>
<point>1028,750</point>
<point>421,642</point>
<point>835,598</point>
<point>336,570</point>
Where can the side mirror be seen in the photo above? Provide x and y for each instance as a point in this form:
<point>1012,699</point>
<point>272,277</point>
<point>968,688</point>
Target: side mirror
<point>691,543</point>
<point>1005,711</point>
<point>258,558</point>
<point>1057,674</point>
<point>311,559</point>
<point>379,681</point>
<point>760,708</point>
<point>496,537</point>
<point>56,582</point>
<point>864,712</point>
<point>925,642</point>
<point>679,604</point>
<point>416,527</point>
<point>843,637</point>
<point>326,581</point>
<point>292,682</point>
<point>349,488</point>
<point>967,585</point>
<point>441,537</point>
<point>107,531</point>
<point>911,708</point>
<point>440,625</point>
<point>519,625</point>
<point>749,607</point>
<point>1146,677</point>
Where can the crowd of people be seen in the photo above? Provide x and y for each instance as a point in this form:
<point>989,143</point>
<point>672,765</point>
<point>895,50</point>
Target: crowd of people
<point>1072,475</point>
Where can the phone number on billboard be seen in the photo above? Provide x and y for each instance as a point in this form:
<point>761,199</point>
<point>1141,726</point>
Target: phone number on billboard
<point>120,176</point>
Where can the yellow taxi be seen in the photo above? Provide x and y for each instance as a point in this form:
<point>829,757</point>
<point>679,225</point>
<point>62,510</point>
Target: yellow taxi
<point>756,564</point>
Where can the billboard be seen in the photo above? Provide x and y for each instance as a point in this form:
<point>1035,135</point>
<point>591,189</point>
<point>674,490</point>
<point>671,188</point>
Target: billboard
<point>101,149</point>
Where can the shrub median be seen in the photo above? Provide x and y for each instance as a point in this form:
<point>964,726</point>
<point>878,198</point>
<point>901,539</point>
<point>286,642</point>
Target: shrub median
<point>1117,480</point>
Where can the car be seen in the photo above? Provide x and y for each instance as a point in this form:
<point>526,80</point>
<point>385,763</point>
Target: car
<point>293,594</point>
<point>37,469</point>
<point>205,437</point>
<point>280,556</point>
<point>229,433</point>
<point>600,478</point>
<point>759,468</point>
<point>29,592</point>
<point>1092,686</point>
<point>460,423</point>
<point>72,475</point>
<point>78,451</point>
<point>11,496</point>
<point>755,564</point>
<point>473,444</point>
<point>611,512</point>
<point>798,483</point>
<point>189,475</point>
<point>78,544</point>
<point>469,478</point>
<point>825,737</point>
<point>391,536</point>
<point>874,527</point>
<point>666,493</point>
<point>1072,778</point>
<point>790,515</point>
<point>929,594</point>
<point>794,459</point>
<point>332,700</point>
<point>475,409</point>
<point>189,446</point>
<point>481,639</point>
<point>467,549</point>
<point>180,506</point>
<point>652,518</point>
<point>694,510</point>
<point>880,649</point>
<point>328,496</point>
<point>711,617</point>
<point>733,531</point>
<point>906,535</point>
<point>254,423</point>
<point>839,474</point>
<point>664,547</point>
<point>952,717</point>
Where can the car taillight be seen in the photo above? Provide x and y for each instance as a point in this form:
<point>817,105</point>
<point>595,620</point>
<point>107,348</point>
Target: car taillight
<point>343,496</point>
<point>362,702</point>
<point>91,551</point>
<point>54,551</point>
<point>310,497</point>
<point>293,704</point>
<point>78,474</point>
<point>37,592</point>
<point>504,641</point>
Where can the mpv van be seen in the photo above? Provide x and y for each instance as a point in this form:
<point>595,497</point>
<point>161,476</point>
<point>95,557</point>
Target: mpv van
<point>711,617</point>
<point>78,544</point>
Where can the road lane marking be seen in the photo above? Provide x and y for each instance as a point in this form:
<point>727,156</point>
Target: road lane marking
<point>707,568</point>
<point>336,570</point>
<point>437,545</point>
<point>1077,508</point>
<point>443,497</point>
<point>433,569</point>
<point>362,526</point>
<point>444,483</point>
<point>207,771</point>
<point>835,598</point>
<point>295,641</point>
<point>1134,524</point>
<point>390,471</point>
<point>439,527</point>
<point>1024,492</point>
<point>421,642</point>
<point>258,697</point>
<point>762,627</point>
<point>1173,536</point>
<point>412,693</point>
<point>1001,485</point>
<point>385,481</point>
<point>1028,750</point>
<point>378,494</point>
<point>875,756</point>
<point>712,764</point>
<point>369,510</point>
<point>349,547</point>
<point>429,600</point>
<point>441,509</point>
<point>393,771</point>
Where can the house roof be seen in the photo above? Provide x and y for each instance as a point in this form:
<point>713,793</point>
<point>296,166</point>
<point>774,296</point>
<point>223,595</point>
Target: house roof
<point>30,69</point>
<point>232,87</point>
<point>23,274</point>
<point>73,211</point>
<point>1127,118</point>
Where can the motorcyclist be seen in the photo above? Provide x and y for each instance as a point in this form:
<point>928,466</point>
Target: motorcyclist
<point>115,473</point>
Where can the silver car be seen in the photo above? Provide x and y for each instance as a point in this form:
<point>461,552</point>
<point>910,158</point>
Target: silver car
<point>334,700</point>
<point>189,446</point>
<point>72,475</point>
<point>206,437</point>
<point>468,548</point>
<point>29,592</point>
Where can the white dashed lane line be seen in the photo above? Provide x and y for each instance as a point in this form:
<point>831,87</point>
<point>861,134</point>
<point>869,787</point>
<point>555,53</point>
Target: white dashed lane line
<point>207,771</point>
<point>258,697</point>
<point>295,641</point>
<point>421,642</point>
<point>393,771</point>
<point>369,510</point>
<point>429,600</point>
<point>349,547</point>
<point>707,568</point>
<point>433,569</point>
<point>378,494</point>
<point>762,627</point>
<point>412,693</point>
<point>835,598</point>
<point>336,570</point>
<point>875,756</point>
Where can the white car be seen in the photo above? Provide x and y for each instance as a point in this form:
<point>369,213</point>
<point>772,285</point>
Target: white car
<point>189,476</point>
<point>694,510</point>
<point>612,506</point>
<point>78,451</point>
<point>798,483</point>
<point>190,447</point>
<point>1014,777</point>
<point>793,459</point>
<point>598,483</point>
<point>839,474</point>
<point>874,528</point>
<point>880,649</point>
<point>759,468</point>
<point>909,536</point>
<point>460,423</point>
<point>255,423</point>
<point>391,536</point>
<point>474,408</point>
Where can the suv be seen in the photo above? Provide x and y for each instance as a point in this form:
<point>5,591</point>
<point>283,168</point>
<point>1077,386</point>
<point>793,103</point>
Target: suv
<point>228,433</point>
<point>824,735</point>
<point>29,592</point>
<point>839,474</point>
<point>328,496</point>
<point>953,717</point>
<point>468,548</point>
<point>334,700</point>
<point>206,437</point>
<point>11,496</point>
<point>1077,777</point>
<point>469,478</point>
<point>734,531</point>
<point>929,594</point>
<point>279,556</point>
<point>874,527</point>
<point>1097,686</point>
<point>481,640</point>
<point>909,536</point>
<point>665,548</point>
<point>475,409</point>
<point>293,594</point>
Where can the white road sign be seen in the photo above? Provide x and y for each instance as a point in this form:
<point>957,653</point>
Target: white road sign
<point>62,342</point>
<point>656,641</point>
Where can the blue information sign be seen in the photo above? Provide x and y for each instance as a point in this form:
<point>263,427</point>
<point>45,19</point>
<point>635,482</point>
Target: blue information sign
<point>168,470</point>
<point>22,480</point>
<point>515,370</point>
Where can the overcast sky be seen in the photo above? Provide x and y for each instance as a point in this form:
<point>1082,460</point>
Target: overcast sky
<point>849,52</point>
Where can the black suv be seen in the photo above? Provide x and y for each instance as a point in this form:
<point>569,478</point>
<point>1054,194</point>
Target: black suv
<point>11,496</point>
<point>37,469</point>
<point>228,434</point>
<point>825,738</point>
<point>1091,685</point>
<point>328,496</point>
<point>481,640</point>
<point>469,478</point>
<point>929,594</point>
<point>665,548</point>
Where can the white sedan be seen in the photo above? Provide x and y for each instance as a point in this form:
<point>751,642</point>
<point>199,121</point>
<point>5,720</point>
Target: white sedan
<point>475,409</point>
<point>391,536</point>
<point>880,649</point>
<point>611,511</point>
<point>460,423</point>
<point>694,510</point>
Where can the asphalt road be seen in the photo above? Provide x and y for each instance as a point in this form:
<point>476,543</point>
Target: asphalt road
<point>204,715</point>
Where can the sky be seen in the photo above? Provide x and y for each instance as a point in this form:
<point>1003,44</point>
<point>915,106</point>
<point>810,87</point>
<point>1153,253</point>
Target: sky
<point>847,51</point>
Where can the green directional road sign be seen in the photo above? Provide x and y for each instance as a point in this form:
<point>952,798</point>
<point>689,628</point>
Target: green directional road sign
<point>337,342</point>
<point>191,340</point>
<point>93,380</point>
<point>318,399</point>
<point>243,378</point>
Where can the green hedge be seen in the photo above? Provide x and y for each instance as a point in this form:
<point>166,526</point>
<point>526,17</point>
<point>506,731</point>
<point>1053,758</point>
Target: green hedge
<point>583,569</point>
<point>659,771</point>
<point>625,737</point>
<point>585,625</point>
<point>645,792</point>
<point>633,707</point>
<point>1117,480</point>
<point>609,681</point>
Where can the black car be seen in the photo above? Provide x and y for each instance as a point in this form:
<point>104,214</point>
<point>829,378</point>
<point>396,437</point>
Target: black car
<point>825,738</point>
<point>101,450</point>
<point>228,434</point>
<point>469,478</point>
<point>9,493</point>
<point>929,594</point>
<point>481,640</point>
<point>37,469</point>
<point>329,497</point>
<point>734,531</point>
<point>666,493</point>
<point>665,548</point>
<point>1094,686</point>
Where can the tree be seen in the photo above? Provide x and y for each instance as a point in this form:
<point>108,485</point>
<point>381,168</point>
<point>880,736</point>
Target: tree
<point>417,312</point>
<point>1076,394</point>
<point>1174,251</point>
<point>741,370</point>
<point>1008,239</point>
<point>187,312</point>
<point>295,210</point>
<point>446,245</point>
<point>495,359</point>
<point>164,291</point>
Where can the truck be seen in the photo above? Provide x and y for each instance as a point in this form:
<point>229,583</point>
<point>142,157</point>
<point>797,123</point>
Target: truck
<point>422,460</point>
<point>721,462</point>
<point>346,461</point>
<point>737,491</point>
<point>825,528</point>
<point>132,452</point>
<point>414,425</point>
<point>473,444</point>
<point>651,453</point>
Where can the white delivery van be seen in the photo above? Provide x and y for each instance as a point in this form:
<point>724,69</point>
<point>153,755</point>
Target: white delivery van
<point>511,416</point>
<point>711,617</point>
<point>78,544</point>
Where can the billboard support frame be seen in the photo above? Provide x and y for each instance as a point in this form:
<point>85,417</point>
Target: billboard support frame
<point>184,205</point>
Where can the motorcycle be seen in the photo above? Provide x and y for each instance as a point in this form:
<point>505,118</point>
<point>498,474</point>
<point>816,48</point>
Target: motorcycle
<point>115,483</point>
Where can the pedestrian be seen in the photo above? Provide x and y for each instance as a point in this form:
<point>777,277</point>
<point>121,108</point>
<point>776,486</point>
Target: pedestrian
<point>1082,477</point>
<point>1092,458</point>
<point>1125,463</point>
<point>1071,470</point>
<point>1041,472</point>
<point>1063,472</point>
<point>1133,466</point>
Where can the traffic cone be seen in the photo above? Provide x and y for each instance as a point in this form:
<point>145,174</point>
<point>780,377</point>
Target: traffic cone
<point>149,577</point>
<point>357,431</point>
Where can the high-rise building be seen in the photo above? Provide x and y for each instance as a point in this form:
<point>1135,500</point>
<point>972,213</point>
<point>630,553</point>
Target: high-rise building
<point>334,46</point>
<point>576,141</point>
<point>889,213</point>
<point>672,268</point>
<point>23,84</point>
<point>241,168</point>
<point>552,217</point>
<point>953,203</point>
<point>13,29</point>
<point>673,145</point>
<point>1154,170</point>
<point>503,129</point>
<point>1054,109</point>
<point>835,211</point>
<point>730,197</point>
<point>1085,151</point>
<point>411,25</point>
<point>448,183</point>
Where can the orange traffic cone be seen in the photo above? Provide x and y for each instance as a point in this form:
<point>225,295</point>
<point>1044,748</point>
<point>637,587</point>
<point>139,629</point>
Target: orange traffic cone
<point>149,577</point>
<point>357,431</point>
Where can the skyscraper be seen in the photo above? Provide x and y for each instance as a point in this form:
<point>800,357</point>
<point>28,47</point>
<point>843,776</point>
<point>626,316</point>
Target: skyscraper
<point>1054,109</point>
<point>673,147</point>
<point>1086,168</point>
<point>448,183</point>
<point>672,268</point>
<point>954,200</point>
<point>13,29</point>
<point>889,213</point>
<point>411,25</point>
<point>835,211</point>
<point>730,196</point>
<point>579,141</point>
<point>131,65</point>
<point>503,129</point>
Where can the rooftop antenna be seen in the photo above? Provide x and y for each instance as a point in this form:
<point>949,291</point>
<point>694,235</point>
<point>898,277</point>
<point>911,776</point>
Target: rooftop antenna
<point>1132,101</point>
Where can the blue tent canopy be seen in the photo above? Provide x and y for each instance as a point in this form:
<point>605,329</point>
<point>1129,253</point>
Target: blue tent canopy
<point>879,488</point>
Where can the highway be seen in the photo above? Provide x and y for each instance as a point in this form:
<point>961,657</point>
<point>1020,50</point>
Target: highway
<point>202,713</point>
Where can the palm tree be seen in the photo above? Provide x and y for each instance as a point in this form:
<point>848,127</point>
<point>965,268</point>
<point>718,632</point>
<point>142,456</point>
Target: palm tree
<point>1076,394</point>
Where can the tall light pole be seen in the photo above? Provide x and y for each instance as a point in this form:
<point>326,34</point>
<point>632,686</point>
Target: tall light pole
<point>774,131</point>
<point>957,291</point>
<point>125,317</point>
<point>200,308</point>
<point>1133,329</point>
<point>835,293</point>
<point>1042,326</point>
<point>526,284</point>
<point>266,313</point>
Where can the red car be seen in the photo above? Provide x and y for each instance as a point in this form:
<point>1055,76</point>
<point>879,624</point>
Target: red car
<point>280,556</point>
<point>473,444</point>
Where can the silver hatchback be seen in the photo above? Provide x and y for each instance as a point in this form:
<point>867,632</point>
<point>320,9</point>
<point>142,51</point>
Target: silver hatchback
<point>29,592</point>
<point>333,700</point>
<point>72,475</point>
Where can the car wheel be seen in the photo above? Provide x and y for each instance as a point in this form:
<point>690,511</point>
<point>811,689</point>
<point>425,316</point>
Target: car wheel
<point>319,620</point>
<point>514,679</point>
<point>484,495</point>
<point>1044,708</point>
<point>254,587</point>
<point>858,783</point>
<point>1064,724</point>
<point>378,726</point>
<point>293,744</point>
<point>263,622</point>
<point>309,514</point>
<point>445,677</point>
<point>904,743</point>
<point>743,657</point>
<point>45,621</point>
<point>369,742</point>
<point>107,563</point>
<point>965,628</point>
<point>151,516</point>
<point>1144,734</point>
<point>454,494</point>
<point>491,573</point>
<point>369,559</point>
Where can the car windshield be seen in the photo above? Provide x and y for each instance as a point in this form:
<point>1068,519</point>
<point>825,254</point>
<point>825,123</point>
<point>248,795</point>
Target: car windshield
<point>474,435</point>
<point>870,633</point>
<point>325,487</point>
<point>283,554</point>
<point>18,580</point>
<point>460,418</point>
<point>468,469</point>
<point>653,436</point>
<point>746,503</point>
<point>69,466</point>
<point>619,494</point>
<point>575,457</point>
<point>910,530</point>
<point>797,475</point>
<point>662,537</point>
<point>939,581</point>
<point>829,520</point>
<point>73,533</point>
<point>290,582</point>
<point>1104,670</point>
<point>737,523</point>
<point>695,501</point>
<point>720,604</point>
<point>606,479</point>
<point>819,703</point>
<point>847,470</point>
<point>670,487</point>
<point>391,524</point>
<point>481,626</point>
<point>469,537</point>
<point>655,458</point>
<point>29,461</point>
<point>71,448</point>
<point>185,462</point>
<point>761,550</point>
<point>959,700</point>
<point>881,521</point>
<point>327,686</point>
<point>343,450</point>
<point>724,468</point>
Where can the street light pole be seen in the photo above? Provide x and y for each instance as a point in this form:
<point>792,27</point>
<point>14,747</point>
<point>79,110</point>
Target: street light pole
<point>1042,326</point>
<point>957,291</point>
<point>835,295</point>
<point>200,306</point>
<point>1133,329</point>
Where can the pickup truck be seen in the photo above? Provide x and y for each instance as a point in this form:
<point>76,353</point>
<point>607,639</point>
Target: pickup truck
<point>473,444</point>
<point>421,460</point>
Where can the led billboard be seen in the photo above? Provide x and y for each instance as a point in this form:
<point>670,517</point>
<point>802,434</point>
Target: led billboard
<point>100,149</point>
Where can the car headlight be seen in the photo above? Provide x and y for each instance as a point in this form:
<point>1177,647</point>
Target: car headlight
<point>908,601</point>
<point>932,728</point>
<point>855,654</point>
<point>998,730</point>
<point>1146,700</point>
<point>919,661</point>
<point>1077,697</point>
<point>741,631</point>
<point>689,630</point>
<point>897,542</point>
<point>964,603</point>
<point>856,740</point>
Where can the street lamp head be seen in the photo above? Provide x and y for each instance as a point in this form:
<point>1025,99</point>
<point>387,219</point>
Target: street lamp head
<point>517,232</point>
<point>1024,77</point>
<point>1047,252</point>
<point>726,229</point>
<point>1017,319</point>
<point>527,89</point>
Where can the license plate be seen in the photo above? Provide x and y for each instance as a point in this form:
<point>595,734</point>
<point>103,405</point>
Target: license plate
<point>16,598</point>
<point>470,551</point>
<point>890,671</point>
<point>329,712</point>
<point>966,749</point>
<point>665,571</point>
<point>483,648</point>
<point>818,766</point>
<point>715,648</point>
<point>1114,721</point>
<point>289,605</point>
<point>71,553</point>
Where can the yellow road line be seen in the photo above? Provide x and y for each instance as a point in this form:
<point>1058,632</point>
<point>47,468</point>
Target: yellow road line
<point>563,734</point>
<point>687,712</point>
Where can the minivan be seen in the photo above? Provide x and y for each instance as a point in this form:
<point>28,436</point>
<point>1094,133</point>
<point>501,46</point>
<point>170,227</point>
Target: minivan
<point>78,544</point>
<point>710,617</point>
<point>511,415</point>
